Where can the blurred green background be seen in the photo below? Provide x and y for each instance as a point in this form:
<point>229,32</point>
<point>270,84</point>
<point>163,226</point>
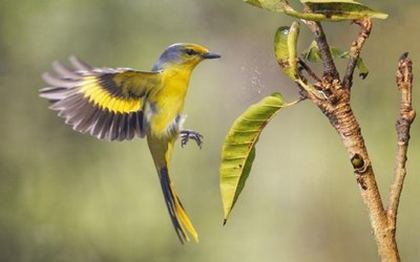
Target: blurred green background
<point>70,197</point>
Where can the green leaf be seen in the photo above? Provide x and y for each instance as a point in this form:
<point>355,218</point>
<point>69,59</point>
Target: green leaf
<point>339,10</point>
<point>285,45</point>
<point>271,5</point>
<point>363,69</point>
<point>238,151</point>
<point>312,55</point>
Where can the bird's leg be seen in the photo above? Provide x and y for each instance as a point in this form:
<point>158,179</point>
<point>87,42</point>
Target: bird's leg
<point>186,135</point>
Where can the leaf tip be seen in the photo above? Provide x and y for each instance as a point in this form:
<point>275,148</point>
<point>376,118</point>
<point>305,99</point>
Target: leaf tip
<point>253,2</point>
<point>278,95</point>
<point>281,31</point>
<point>382,16</point>
<point>363,75</point>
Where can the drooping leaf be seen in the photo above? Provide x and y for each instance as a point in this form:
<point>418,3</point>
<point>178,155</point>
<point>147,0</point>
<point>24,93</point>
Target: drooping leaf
<point>339,10</point>
<point>271,5</point>
<point>285,45</point>
<point>282,6</point>
<point>238,151</point>
<point>312,55</point>
<point>329,10</point>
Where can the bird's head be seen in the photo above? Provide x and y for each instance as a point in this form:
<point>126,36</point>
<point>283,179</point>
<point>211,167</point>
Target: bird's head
<point>185,55</point>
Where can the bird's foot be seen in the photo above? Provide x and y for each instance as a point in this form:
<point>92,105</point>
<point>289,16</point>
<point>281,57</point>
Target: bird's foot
<point>186,135</point>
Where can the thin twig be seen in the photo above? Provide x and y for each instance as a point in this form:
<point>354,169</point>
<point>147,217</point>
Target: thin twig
<point>309,70</point>
<point>407,116</point>
<point>356,47</point>
<point>324,49</point>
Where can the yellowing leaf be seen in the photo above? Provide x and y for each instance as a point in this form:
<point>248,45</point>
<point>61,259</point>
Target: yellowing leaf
<point>285,44</point>
<point>339,10</point>
<point>329,10</point>
<point>272,5</point>
<point>238,151</point>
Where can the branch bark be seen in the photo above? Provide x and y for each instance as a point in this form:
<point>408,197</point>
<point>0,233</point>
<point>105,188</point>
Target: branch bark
<point>337,108</point>
<point>345,123</point>
<point>403,125</point>
<point>330,70</point>
<point>355,49</point>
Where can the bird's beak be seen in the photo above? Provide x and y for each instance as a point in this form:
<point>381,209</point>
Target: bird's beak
<point>210,55</point>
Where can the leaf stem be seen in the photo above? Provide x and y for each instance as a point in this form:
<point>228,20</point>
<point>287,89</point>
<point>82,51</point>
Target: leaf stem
<point>309,70</point>
<point>294,102</point>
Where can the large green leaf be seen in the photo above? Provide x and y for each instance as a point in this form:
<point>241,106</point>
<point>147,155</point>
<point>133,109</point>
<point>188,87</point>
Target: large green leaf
<point>338,10</point>
<point>272,5</point>
<point>312,55</point>
<point>329,10</point>
<point>238,151</point>
<point>285,45</point>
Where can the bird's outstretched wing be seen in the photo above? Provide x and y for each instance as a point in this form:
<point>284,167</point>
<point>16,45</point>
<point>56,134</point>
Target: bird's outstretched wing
<point>104,102</point>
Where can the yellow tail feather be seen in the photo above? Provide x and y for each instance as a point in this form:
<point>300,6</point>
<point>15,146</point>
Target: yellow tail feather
<point>161,150</point>
<point>179,216</point>
<point>183,217</point>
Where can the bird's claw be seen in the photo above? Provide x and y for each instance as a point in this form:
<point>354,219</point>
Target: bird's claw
<point>186,135</point>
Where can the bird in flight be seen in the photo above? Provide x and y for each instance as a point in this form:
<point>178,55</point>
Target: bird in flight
<point>123,103</point>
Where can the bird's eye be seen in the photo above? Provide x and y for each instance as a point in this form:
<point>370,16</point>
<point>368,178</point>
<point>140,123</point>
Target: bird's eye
<point>190,52</point>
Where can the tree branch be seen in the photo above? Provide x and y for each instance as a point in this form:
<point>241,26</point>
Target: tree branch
<point>337,109</point>
<point>330,69</point>
<point>309,70</point>
<point>343,120</point>
<point>355,49</point>
<point>407,116</point>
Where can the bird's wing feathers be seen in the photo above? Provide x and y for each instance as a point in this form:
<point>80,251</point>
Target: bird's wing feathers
<point>104,102</point>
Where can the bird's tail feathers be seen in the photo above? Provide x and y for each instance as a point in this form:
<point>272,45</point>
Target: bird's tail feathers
<point>179,216</point>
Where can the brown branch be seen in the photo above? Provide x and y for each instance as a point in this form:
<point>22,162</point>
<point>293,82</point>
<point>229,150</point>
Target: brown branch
<point>309,70</point>
<point>407,116</point>
<point>343,120</point>
<point>337,109</point>
<point>355,49</point>
<point>330,70</point>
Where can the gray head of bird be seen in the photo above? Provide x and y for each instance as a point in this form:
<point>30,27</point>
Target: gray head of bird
<point>183,55</point>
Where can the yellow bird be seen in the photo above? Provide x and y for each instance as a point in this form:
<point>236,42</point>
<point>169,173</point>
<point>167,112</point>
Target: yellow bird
<point>123,103</point>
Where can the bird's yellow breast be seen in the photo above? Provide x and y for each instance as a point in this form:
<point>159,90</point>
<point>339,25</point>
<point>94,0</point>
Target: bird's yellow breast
<point>168,101</point>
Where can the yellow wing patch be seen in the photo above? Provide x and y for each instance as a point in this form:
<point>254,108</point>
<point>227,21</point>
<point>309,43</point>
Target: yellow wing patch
<point>101,97</point>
